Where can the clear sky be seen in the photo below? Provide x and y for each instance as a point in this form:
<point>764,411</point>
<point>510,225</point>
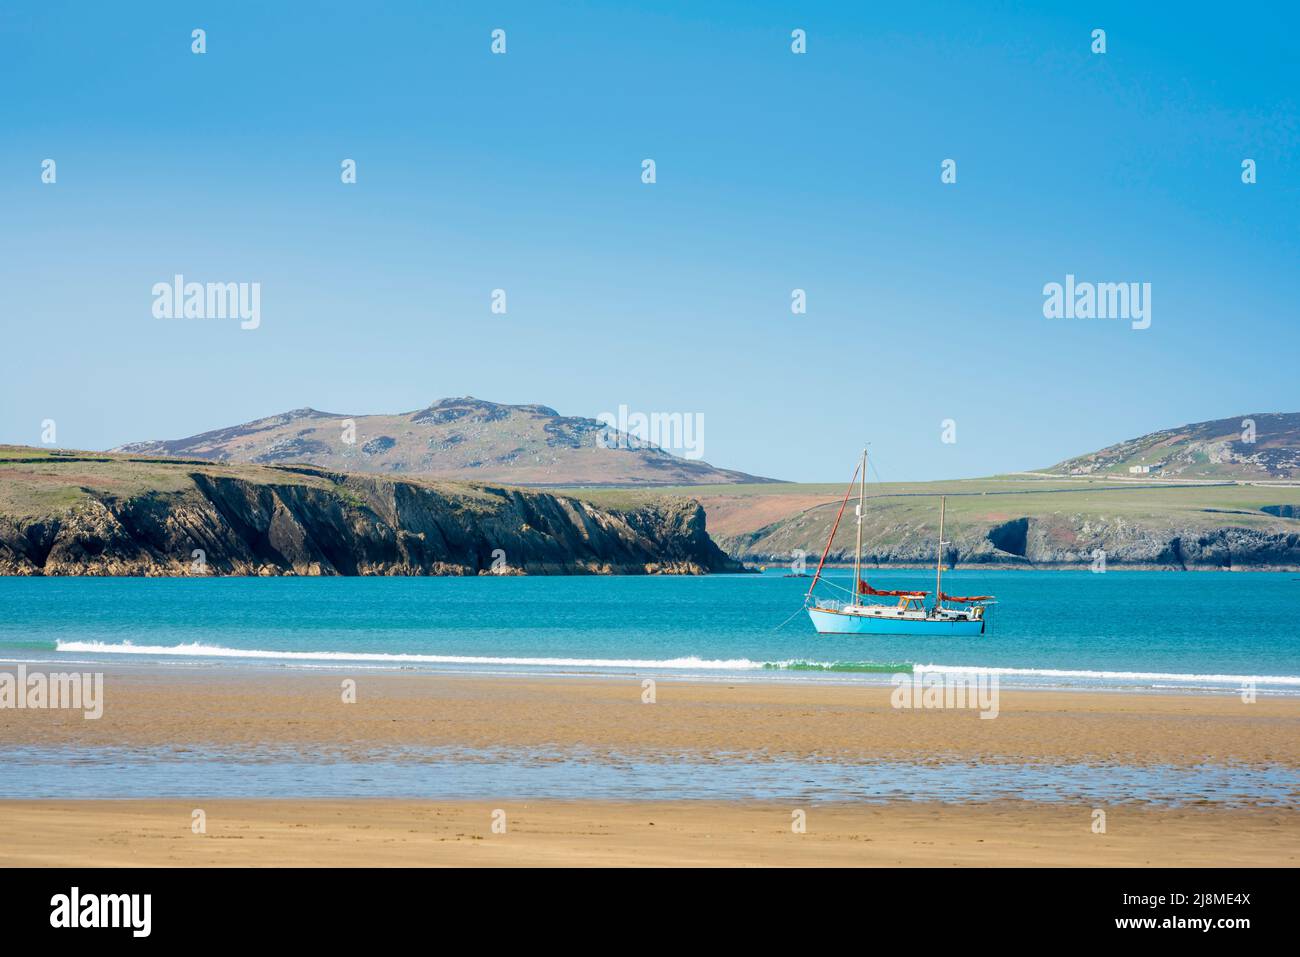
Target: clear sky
<point>775,171</point>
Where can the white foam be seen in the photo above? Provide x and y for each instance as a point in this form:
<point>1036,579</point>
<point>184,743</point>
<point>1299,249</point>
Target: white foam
<point>197,650</point>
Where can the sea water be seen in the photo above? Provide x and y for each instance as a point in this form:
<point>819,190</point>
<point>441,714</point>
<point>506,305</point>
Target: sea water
<point>575,774</point>
<point>1166,631</point>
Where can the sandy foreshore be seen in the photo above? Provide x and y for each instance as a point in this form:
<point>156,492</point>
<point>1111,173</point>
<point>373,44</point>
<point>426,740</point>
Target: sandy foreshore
<point>231,707</point>
<point>326,833</point>
<point>305,713</point>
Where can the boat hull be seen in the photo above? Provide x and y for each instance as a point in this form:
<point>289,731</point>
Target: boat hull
<point>838,623</point>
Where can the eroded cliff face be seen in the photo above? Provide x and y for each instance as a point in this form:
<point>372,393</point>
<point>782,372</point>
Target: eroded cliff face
<point>1052,541</point>
<point>321,523</point>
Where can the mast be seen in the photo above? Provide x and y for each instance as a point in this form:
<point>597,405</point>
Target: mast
<point>857,555</point>
<point>831,540</point>
<point>938,566</point>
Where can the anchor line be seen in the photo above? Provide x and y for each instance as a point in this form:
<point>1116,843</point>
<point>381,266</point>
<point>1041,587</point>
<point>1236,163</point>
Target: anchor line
<point>788,620</point>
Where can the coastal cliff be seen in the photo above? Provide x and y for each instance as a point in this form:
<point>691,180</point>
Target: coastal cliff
<point>1047,541</point>
<point>1019,522</point>
<point>118,515</point>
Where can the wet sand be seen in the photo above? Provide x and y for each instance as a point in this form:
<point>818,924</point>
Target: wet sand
<point>791,720</point>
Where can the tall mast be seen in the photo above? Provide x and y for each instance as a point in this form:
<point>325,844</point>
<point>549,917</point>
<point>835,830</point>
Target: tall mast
<point>857,555</point>
<point>938,567</point>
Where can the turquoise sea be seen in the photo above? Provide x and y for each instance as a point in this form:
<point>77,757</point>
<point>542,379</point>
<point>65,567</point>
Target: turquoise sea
<point>1121,630</point>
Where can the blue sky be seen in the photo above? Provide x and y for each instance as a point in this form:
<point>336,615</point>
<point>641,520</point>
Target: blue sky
<point>775,172</point>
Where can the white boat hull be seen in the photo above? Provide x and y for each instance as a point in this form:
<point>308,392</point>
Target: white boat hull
<point>835,622</point>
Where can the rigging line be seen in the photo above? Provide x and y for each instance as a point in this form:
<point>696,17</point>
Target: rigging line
<point>872,465</point>
<point>831,584</point>
<point>826,551</point>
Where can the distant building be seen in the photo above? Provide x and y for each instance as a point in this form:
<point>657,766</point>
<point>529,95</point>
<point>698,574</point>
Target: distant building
<point>1145,469</point>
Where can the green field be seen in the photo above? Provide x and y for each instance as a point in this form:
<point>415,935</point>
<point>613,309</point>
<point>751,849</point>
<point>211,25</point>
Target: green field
<point>1000,493</point>
<point>1070,517</point>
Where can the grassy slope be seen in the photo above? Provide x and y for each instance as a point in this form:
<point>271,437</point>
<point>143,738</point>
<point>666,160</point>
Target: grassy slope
<point>36,483</point>
<point>742,510</point>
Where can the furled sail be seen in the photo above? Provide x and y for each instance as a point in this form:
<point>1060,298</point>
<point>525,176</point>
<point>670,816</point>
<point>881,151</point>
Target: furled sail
<point>865,589</point>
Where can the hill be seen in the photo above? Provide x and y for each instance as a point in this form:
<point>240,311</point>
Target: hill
<point>464,439</point>
<point>1222,449</point>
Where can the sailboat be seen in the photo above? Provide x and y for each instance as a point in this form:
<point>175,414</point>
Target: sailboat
<point>963,616</point>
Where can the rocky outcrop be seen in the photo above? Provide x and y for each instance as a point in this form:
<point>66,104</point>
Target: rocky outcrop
<point>314,522</point>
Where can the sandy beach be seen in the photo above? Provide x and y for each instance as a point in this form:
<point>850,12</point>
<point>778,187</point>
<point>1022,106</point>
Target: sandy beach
<point>327,833</point>
<point>304,713</point>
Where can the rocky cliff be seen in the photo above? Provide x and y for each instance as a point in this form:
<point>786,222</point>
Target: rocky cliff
<point>1049,542</point>
<point>69,516</point>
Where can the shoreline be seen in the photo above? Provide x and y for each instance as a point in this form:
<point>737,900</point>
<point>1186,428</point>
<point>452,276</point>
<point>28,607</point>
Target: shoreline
<point>1112,566</point>
<point>767,564</point>
<point>161,660</point>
